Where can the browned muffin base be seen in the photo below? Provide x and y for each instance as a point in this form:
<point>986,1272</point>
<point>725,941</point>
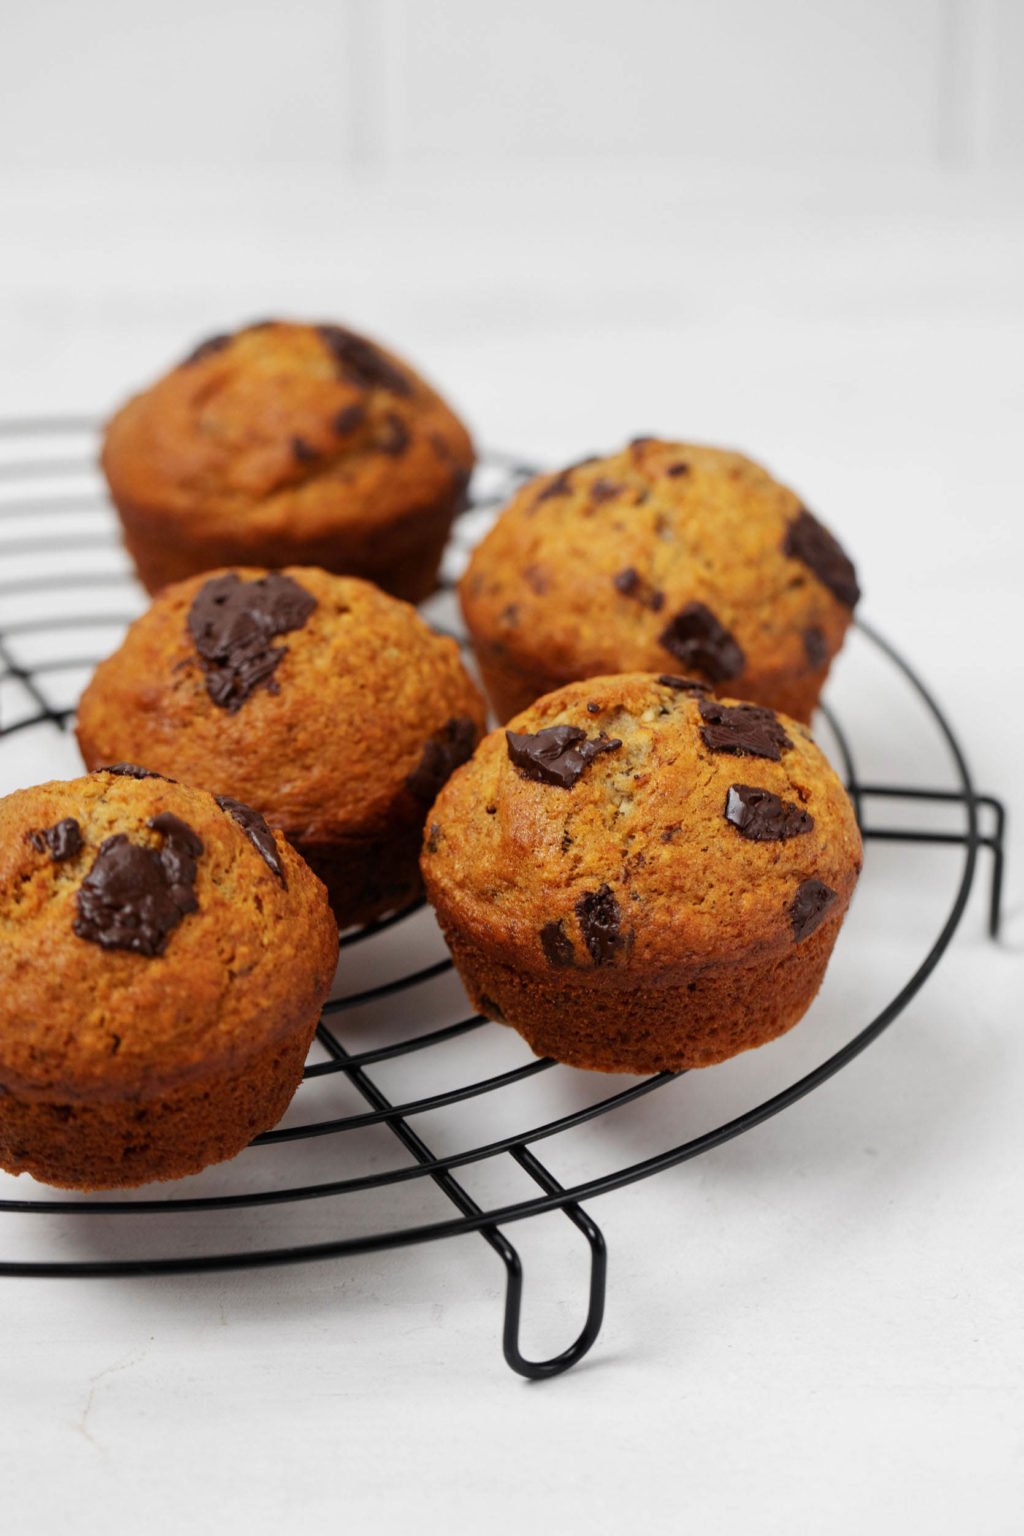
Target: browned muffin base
<point>697,1020</point>
<point>511,688</point>
<point>402,558</point>
<point>366,878</point>
<point>97,1145</point>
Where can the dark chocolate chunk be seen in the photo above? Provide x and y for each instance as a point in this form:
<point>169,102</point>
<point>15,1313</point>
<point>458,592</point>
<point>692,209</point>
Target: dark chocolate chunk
<point>815,646</point>
<point>697,639</point>
<point>232,623</point>
<point>557,754</point>
<point>809,908</point>
<point>392,435</point>
<point>359,360</point>
<point>593,708</point>
<point>677,469</point>
<point>742,728</point>
<point>133,897</point>
<point>561,485</point>
<point>808,541</point>
<point>348,419</point>
<point>207,349</point>
<point>133,771</point>
<point>557,946</point>
<point>631,584</point>
<point>304,452</point>
<point>257,831</point>
<point>61,841</point>
<point>683,684</point>
<point>444,752</point>
<point>600,921</point>
<point>763,817</point>
<point>604,490</point>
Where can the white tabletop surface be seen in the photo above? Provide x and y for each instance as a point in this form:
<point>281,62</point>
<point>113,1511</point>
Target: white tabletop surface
<point>817,1327</point>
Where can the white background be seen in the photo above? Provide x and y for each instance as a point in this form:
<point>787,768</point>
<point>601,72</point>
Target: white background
<point>790,227</point>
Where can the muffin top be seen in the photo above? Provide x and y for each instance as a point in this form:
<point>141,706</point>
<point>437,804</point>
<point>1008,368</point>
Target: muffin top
<point>271,423</point>
<point>321,700</point>
<point>640,825</point>
<point>148,935</point>
<point>666,554</point>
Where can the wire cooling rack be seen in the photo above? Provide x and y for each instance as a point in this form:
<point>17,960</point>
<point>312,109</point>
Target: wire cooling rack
<point>455,1108</point>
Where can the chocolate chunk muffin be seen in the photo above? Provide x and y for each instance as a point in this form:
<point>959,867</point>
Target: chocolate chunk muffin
<point>163,963</point>
<point>325,704</point>
<point>663,556</point>
<point>288,444</point>
<point>640,876</point>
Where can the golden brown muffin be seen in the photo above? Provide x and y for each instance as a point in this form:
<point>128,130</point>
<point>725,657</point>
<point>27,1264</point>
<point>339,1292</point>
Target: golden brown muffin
<point>289,444</point>
<point>324,703</point>
<point>640,876</point>
<point>163,963</point>
<point>664,555</point>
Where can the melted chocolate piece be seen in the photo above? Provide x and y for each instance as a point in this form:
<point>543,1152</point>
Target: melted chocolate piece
<point>257,831</point>
<point>348,419</point>
<point>742,728</point>
<point>604,490</point>
<point>557,754</point>
<point>683,684</point>
<point>61,841</point>
<point>631,584</point>
<point>557,946</point>
<point>393,435</point>
<point>304,452</point>
<point>600,920</point>
<point>815,646</point>
<point>806,540</point>
<point>232,623</point>
<point>561,485</point>
<point>133,771</point>
<point>763,817</point>
<point>133,897</point>
<point>207,349</point>
<point>359,360</point>
<point>447,750</point>
<point>674,470</point>
<point>697,639</point>
<point>809,908</point>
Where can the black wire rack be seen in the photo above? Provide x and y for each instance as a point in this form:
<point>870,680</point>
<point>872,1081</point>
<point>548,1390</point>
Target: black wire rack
<point>66,594</point>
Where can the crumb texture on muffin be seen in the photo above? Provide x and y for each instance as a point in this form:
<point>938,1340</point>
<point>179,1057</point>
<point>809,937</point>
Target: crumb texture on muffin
<point>639,875</point>
<point>664,555</point>
<point>161,975</point>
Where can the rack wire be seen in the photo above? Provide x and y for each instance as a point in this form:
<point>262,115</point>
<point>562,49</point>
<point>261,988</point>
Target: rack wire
<point>66,594</point>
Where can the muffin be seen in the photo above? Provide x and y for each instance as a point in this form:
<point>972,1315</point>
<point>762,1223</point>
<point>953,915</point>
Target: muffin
<point>663,556</point>
<point>640,876</point>
<point>321,701</point>
<point>288,444</point>
<point>163,966</point>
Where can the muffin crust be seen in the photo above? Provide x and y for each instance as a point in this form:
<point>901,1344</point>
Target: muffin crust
<point>288,444</point>
<point>667,555</point>
<point>671,899</point>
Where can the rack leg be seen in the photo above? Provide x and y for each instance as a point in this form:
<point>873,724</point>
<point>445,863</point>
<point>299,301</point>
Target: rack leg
<point>534,1370</point>
<point>540,1370</point>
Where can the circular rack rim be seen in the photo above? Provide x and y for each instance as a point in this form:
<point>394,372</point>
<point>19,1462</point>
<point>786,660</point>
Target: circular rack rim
<point>554,1196</point>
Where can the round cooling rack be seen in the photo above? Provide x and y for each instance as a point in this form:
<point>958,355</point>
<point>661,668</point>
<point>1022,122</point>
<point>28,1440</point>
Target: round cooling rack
<point>417,1120</point>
